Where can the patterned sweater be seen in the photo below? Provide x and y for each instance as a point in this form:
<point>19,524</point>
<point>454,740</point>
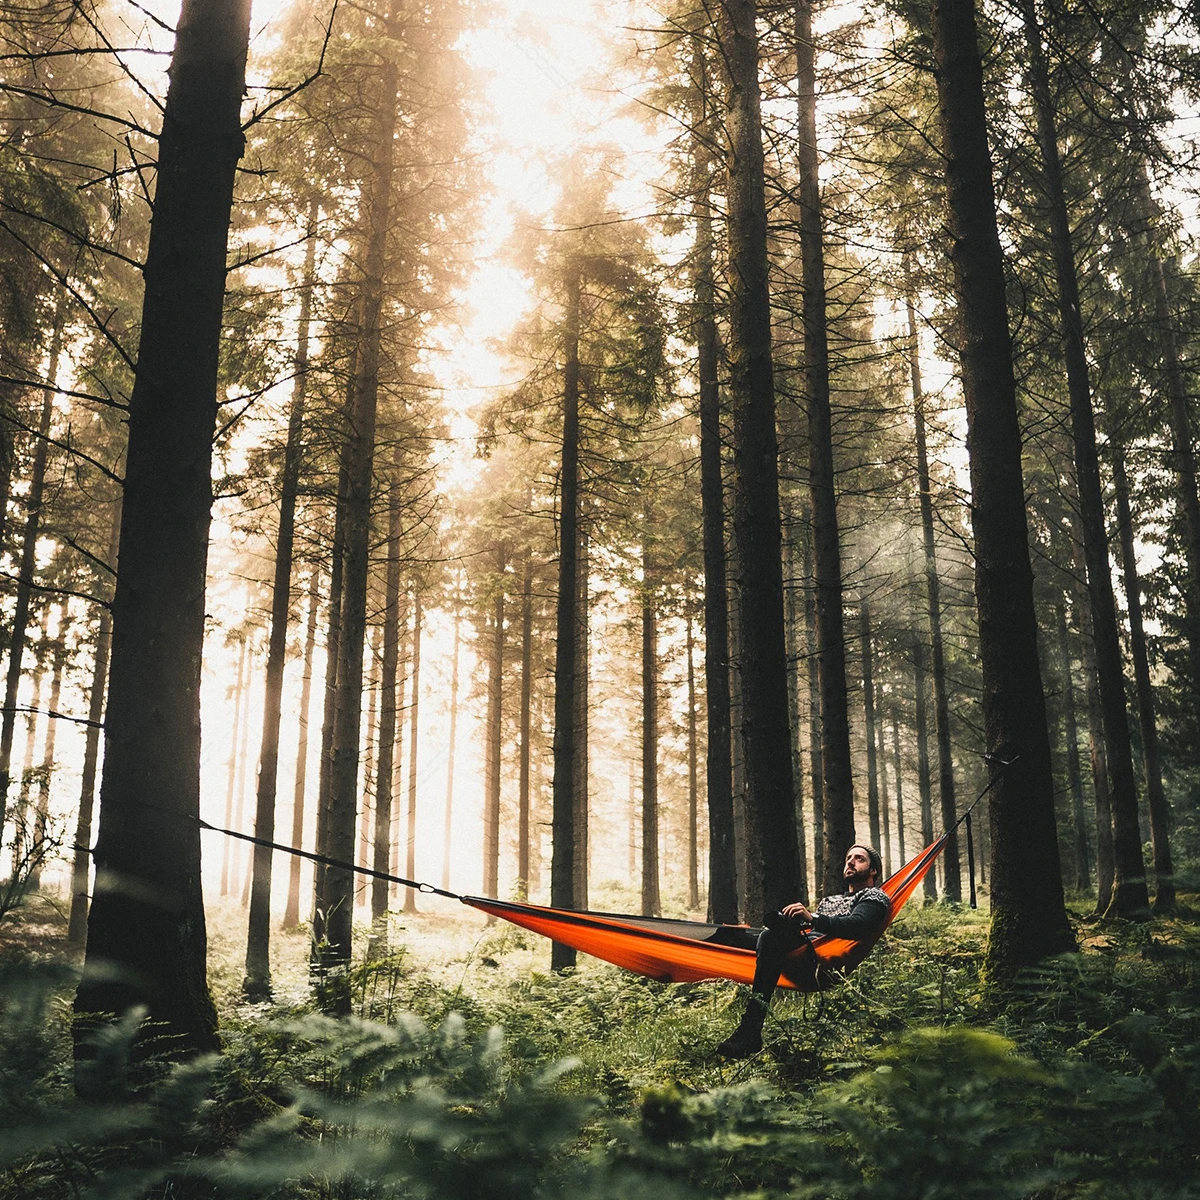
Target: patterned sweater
<point>852,914</point>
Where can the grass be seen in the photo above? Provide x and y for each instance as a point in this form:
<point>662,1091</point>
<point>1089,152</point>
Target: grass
<point>903,1081</point>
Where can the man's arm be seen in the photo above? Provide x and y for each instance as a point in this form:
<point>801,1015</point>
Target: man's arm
<point>865,919</point>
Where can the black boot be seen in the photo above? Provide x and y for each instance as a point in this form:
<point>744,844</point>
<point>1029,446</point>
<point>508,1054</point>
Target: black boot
<point>746,1039</point>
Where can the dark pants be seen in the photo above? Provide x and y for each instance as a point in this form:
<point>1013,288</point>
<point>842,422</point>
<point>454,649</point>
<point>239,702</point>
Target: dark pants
<point>771,946</point>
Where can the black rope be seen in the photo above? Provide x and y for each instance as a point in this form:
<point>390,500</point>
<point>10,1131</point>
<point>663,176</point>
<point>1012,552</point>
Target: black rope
<point>427,888</point>
<point>1003,764</point>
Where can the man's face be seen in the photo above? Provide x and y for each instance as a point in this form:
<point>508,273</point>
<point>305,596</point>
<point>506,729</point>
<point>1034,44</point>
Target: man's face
<point>857,871</point>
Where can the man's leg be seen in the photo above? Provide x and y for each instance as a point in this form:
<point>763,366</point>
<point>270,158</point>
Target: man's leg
<point>774,945</point>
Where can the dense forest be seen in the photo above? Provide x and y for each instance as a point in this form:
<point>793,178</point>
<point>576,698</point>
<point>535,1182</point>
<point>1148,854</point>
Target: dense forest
<point>610,457</point>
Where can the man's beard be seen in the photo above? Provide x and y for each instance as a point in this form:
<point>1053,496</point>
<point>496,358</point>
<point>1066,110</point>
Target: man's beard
<point>860,879</point>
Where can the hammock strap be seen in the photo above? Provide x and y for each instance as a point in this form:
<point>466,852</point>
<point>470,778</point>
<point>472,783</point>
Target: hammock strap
<point>427,888</point>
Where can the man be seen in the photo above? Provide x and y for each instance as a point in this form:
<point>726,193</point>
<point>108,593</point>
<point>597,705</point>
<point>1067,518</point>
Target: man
<point>859,912</point>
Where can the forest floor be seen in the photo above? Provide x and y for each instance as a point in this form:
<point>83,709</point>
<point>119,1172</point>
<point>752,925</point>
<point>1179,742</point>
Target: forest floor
<point>470,1069</point>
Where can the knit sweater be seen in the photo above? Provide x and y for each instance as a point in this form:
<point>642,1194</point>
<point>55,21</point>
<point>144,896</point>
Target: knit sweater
<point>853,915</point>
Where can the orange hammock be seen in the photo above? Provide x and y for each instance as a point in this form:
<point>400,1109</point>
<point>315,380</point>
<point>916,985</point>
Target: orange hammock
<point>669,950</point>
<point>682,951</point>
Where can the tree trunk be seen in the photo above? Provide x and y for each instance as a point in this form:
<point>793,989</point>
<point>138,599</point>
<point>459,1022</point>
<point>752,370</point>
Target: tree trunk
<point>1156,801</point>
<point>884,802</point>
<point>27,568</point>
<point>146,931</point>
<point>562,867</point>
<point>333,627</point>
<point>920,673</point>
<point>414,714</point>
<point>404,675</point>
<point>23,834</point>
<point>718,764</point>
<point>388,671</point>
<point>451,748</point>
<point>241,875</point>
<point>239,704</point>
<point>838,781</point>
<point>1028,919</point>
<point>651,903</point>
<point>816,767</point>
<point>49,765</point>
<point>334,959</point>
<point>1105,871</point>
<point>291,912</point>
<point>869,723</point>
<point>494,734</point>
<point>368,784</point>
<point>257,984</point>
<point>792,629</point>
<point>899,787</point>
<point>582,690</point>
<point>747,844</point>
<point>1129,898</point>
<point>1083,880</point>
<point>77,923</point>
<point>765,734</point>
<point>952,871</point>
<point>525,749</point>
<point>1179,417</point>
<point>692,776</point>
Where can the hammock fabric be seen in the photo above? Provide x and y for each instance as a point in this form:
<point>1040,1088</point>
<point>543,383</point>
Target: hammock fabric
<point>685,951</point>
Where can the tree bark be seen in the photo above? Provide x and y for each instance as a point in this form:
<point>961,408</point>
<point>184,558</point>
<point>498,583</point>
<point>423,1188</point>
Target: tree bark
<point>452,747</point>
<point>146,930</point>
<point>899,787</point>
<point>869,719</point>
<point>651,902</point>
<point>334,957</point>
<point>816,767</point>
<point>924,790</point>
<point>333,623</point>
<point>718,763</point>
<point>388,672</point>
<point>1029,918</point>
<point>693,789</point>
<point>257,984</point>
<point>838,780</point>
<point>1083,881</point>
<point>46,775</point>
<point>28,565</point>
<point>81,867</point>
<point>792,586</point>
<point>23,834</point>
<point>582,690</point>
<point>525,748</point>
<point>952,870</point>
<point>1183,454</point>
<point>884,803</point>
<point>291,911</point>
<point>494,733</point>
<point>562,866</point>
<point>368,784</point>
<point>1130,898</point>
<point>1156,801</point>
<point>414,714</point>
<point>765,733</point>
<point>1105,870</point>
<point>231,785</point>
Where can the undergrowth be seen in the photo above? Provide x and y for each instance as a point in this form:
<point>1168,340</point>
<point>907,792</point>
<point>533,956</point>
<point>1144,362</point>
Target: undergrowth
<point>899,1084</point>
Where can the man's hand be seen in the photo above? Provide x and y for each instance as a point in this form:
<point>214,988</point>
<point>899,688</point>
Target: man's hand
<point>797,910</point>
